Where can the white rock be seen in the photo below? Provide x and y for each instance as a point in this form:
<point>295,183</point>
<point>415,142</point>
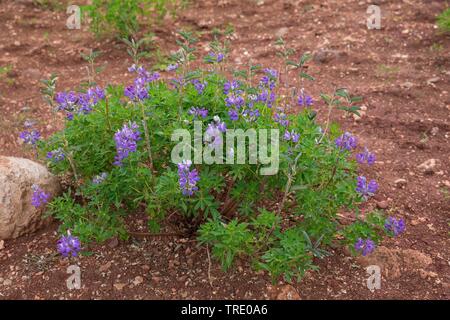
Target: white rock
<point>400,183</point>
<point>428,166</point>
<point>17,215</point>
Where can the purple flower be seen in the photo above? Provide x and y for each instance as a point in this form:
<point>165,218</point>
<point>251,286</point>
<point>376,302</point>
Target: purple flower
<point>126,142</point>
<point>66,101</point>
<point>271,72</point>
<point>216,57</point>
<point>346,141</point>
<point>234,114</point>
<point>221,126</point>
<point>291,136</point>
<point>269,79</point>
<point>199,86</point>
<point>39,197</point>
<point>178,82</point>
<point>281,118</point>
<point>364,246</point>
<point>364,188</point>
<point>198,112</point>
<point>305,100</point>
<point>396,226</point>
<point>68,245</point>
<point>231,86</point>
<point>56,155</point>
<point>172,67</point>
<point>251,114</point>
<point>214,132</point>
<point>139,90</point>
<point>100,178</point>
<point>136,92</point>
<point>366,156</point>
<point>234,101</point>
<point>187,178</point>
<point>30,137</point>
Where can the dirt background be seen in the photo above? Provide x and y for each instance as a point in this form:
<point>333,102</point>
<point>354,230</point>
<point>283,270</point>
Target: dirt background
<point>403,73</point>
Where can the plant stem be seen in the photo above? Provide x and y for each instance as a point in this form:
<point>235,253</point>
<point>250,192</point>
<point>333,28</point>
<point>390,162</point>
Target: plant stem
<point>108,121</point>
<point>147,136</point>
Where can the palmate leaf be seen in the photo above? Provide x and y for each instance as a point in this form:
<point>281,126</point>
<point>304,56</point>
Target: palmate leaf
<point>306,76</point>
<point>352,109</point>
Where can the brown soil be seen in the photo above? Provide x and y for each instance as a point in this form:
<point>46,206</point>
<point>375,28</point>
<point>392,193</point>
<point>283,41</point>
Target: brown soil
<point>402,71</point>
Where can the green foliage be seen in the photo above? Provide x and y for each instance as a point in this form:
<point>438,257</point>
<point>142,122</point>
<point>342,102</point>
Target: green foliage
<point>443,20</point>
<point>124,18</point>
<point>281,222</point>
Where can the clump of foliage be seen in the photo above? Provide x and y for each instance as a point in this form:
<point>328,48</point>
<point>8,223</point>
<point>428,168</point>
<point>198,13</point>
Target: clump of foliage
<point>117,148</point>
<point>124,18</point>
<point>443,20</point>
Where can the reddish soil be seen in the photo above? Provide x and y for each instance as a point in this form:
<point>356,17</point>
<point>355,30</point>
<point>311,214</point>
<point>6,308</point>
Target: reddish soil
<point>402,71</point>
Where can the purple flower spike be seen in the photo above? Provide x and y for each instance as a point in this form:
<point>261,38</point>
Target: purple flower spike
<point>100,178</point>
<point>187,178</point>
<point>56,155</point>
<point>68,245</point>
<point>39,197</point>
<point>366,156</point>
<point>365,246</point>
<point>294,136</point>
<point>366,189</point>
<point>281,118</point>
<point>395,226</point>
<point>346,142</point>
<point>234,114</point>
<point>305,100</point>
<point>30,137</point>
<point>172,67</point>
<point>199,86</point>
<point>198,112</point>
<point>126,142</point>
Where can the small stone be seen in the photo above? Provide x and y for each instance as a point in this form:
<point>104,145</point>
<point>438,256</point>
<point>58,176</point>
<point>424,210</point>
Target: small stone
<point>7,282</point>
<point>407,85</point>
<point>156,279</point>
<point>400,183</point>
<point>428,166</point>
<point>105,267</point>
<point>327,55</point>
<point>286,292</point>
<point>281,32</point>
<point>434,131</point>
<point>427,274</point>
<point>2,244</point>
<point>138,280</point>
<point>119,286</point>
<point>433,80</point>
<point>382,205</point>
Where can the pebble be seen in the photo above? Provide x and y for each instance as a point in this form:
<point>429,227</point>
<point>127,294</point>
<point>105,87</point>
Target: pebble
<point>138,280</point>
<point>382,204</point>
<point>7,282</point>
<point>434,131</point>
<point>2,244</point>
<point>400,183</point>
<point>119,286</point>
<point>428,166</point>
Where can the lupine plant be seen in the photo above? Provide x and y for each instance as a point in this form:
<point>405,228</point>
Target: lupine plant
<point>116,148</point>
